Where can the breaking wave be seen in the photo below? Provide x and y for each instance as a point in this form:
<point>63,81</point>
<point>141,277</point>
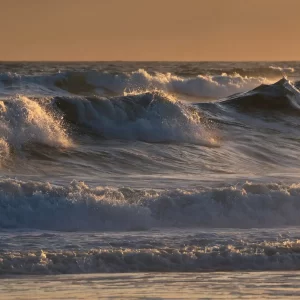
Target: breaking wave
<point>38,205</point>
<point>150,117</point>
<point>221,257</point>
<point>25,121</point>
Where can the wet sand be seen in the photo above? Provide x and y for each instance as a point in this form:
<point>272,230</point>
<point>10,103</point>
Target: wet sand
<point>233,285</point>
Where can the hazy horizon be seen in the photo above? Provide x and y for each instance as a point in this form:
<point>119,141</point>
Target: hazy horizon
<point>192,30</point>
<point>150,61</point>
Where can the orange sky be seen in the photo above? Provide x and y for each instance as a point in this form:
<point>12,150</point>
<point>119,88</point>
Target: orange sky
<point>150,30</point>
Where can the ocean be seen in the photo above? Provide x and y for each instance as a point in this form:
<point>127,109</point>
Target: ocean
<point>153,169</point>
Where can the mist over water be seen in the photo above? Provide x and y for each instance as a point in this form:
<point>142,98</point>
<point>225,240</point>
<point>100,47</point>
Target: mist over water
<point>191,155</point>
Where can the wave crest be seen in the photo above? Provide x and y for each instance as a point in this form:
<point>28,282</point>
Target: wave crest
<point>282,96</point>
<point>220,257</point>
<point>214,86</point>
<point>24,121</point>
<point>107,83</point>
<point>150,117</point>
<point>27,204</point>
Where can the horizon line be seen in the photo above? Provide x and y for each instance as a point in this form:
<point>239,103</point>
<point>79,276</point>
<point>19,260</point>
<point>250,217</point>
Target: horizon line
<point>118,60</point>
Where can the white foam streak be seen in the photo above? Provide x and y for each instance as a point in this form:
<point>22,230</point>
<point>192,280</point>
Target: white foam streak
<point>283,69</point>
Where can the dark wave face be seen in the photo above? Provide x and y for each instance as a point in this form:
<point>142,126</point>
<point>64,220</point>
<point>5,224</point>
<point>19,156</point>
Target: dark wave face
<point>281,96</point>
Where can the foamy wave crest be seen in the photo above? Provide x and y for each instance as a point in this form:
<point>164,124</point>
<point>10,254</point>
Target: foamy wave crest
<point>248,205</point>
<point>27,204</point>
<point>24,121</point>
<point>75,207</point>
<point>101,83</point>
<point>4,150</point>
<point>199,86</point>
<point>151,117</point>
<point>219,257</point>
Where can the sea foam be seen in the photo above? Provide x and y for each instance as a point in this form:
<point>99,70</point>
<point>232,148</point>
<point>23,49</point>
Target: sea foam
<point>25,121</point>
<point>28,204</point>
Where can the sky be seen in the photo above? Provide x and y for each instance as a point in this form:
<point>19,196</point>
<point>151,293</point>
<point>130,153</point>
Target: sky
<point>161,30</point>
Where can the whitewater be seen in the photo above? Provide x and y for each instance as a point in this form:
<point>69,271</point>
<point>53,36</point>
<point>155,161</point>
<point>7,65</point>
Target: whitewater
<point>137,167</point>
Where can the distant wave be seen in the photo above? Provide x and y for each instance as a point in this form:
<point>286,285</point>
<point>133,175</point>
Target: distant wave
<point>28,204</point>
<point>141,80</point>
<point>103,83</point>
<point>270,72</point>
<point>283,69</point>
